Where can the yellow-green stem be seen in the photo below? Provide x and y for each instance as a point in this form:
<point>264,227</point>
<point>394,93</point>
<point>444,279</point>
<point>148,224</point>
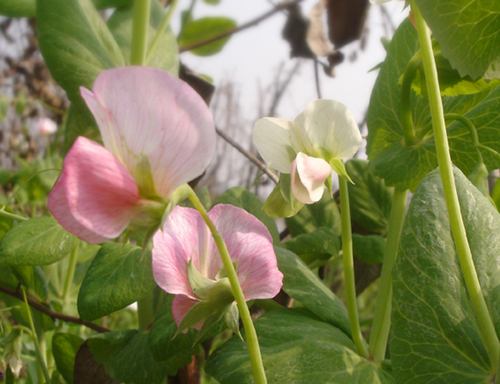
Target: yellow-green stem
<point>350,287</point>
<point>472,129</point>
<point>12,215</point>
<point>140,28</point>
<point>382,319</point>
<point>70,273</point>
<point>252,341</point>
<point>406,119</point>
<point>145,311</point>
<point>484,320</point>
<point>161,30</point>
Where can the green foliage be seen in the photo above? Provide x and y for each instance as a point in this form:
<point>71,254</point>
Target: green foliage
<point>299,348</point>
<point>64,348</point>
<point>468,32</point>
<point>38,241</point>
<point>205,28</point>
<point>18,8</point>
<point>319,245</point>
<point>369,249</point>
<point>119,275</point>
<point>435,336</point>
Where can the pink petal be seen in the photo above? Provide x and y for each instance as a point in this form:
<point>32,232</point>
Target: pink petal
<point>308,177</point>
<point>249,242</point>
<point>180,307</point>
<point>184,236</point>
<point>147,113</point>
<point>95,198</point>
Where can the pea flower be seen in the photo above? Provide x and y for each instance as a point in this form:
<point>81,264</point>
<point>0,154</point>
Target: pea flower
<point>158,134</point>
<point>186,261</point>
<point>310,146</point>
<point>46,126</point>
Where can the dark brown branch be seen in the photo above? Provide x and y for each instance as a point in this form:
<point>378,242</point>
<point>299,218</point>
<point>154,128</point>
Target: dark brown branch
<point>53,314</point>
<point>248,155</point>
<point>252,23</point>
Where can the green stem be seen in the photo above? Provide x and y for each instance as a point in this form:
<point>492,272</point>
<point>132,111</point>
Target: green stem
<point>382,319</point>
<point>352,308</point>
<point>486,327</point>
<point>161,30</point>
<point>12,215</point>
<point>70,273</point>
<point>490,150</point>
<point>140,32</point>
<point>145,311</point>
<point>252,341</point>
<point>472,129</point>
<point>406,119</point>
<point>38,349</point>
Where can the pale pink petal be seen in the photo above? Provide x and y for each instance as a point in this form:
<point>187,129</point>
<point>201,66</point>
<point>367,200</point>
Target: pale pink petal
<point>145,113</point>
<point>308,177</point>
<point>180,307</point>
<point>95,198</point>
<point>249,242</point>
<point>184,237</point>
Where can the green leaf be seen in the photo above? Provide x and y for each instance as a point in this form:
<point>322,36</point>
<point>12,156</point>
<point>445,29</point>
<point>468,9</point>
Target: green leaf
<point>303,285</point>
<point>119,275</point>
<point>105,4</point>
<point>75,43</point>
<point>321,244</point>
<point>405,166</point>
<point>64,348</point>
<point>79,122</point>
<point>205,28</point>
<point>297,348</point>
<point>369,198</point>
<point>324,213</point>
<point>212,2</point>
<point>468,32</point>
<point>369,249</point>
<point>18,8</point>
<point>165,57</point>
<point>38,241</point>
<point>435,335</point>
<point>127,358</point>
<point>243,198</point>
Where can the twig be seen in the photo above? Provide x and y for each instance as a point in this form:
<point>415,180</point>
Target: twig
<point>54,314</point>
<point>316,78</point>
<point>242,27</point>
<point>281,88</point>
<point>248,155</point>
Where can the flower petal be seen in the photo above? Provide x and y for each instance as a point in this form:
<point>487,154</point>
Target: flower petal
<point>271,136</point>
<point>180,307</point>
<point>95,197</point>
<point>331,126</point>
<point>249,242</point>
<point>308,177</point>
<point>154,123</point>
<point>184,237</point>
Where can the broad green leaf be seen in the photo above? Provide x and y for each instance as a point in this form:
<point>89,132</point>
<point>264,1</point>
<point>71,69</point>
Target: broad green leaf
<point>468,32</point>
<point>370,200</point>
<point>6,224</point>
<point>297,348</point>
<point>321,244</point>
<point>405,166</point>
<point>205,28</point>
<point>38,241</point>
<point>435,335</point>
<point>119,275</point>
<point>212,2</point>
<point>243,198</point>
<point>369,249</point>
<point>166,55</point>
<point>105,4</point>
<point>64,348</point>
<point>303,285</point>
<point>126,357</point>
<point>324,213</point>
<point>18,8</point>
<point>495,194</point>
<point>75,43</point>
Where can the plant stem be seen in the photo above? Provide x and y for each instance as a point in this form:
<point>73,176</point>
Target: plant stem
<point>140,32</point>
<point>161,30</point>
<point>486,327</point>
<point>12,215</point>
<point>70,273</point>
<point>252,341</point>
<point>382,319</point>
<point>472,129</point>
<point>352,308</point>
<point>145,311</point>
<point>38,349</point>
<point>406,119</point>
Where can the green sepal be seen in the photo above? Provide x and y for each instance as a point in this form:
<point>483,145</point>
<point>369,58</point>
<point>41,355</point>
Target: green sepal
<point>328,184</point>
<point>199,284</point>
<point>339,168</point>
<point>232,317</point>
<point>281,202</point>
<point>206,326</point>
<point>479,177</point>
<point>178,196</point>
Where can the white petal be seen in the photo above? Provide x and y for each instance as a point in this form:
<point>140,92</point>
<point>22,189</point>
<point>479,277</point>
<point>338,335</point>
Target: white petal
<point>308,178</point>
<point>271,136</point>
<point>330,126</point>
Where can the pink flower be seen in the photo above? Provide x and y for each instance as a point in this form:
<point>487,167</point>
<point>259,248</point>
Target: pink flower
<point>158,134</point>
<point>186,242</point>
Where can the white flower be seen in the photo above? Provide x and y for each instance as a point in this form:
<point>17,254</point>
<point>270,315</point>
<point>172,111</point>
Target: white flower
<point>309,146</point>
<point>46,126</point>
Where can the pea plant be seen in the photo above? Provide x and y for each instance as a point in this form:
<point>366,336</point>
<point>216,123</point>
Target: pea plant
<point>116,215</point>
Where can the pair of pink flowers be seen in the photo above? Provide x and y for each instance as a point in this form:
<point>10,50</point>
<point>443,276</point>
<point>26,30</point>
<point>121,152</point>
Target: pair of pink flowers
<point>158,134</point>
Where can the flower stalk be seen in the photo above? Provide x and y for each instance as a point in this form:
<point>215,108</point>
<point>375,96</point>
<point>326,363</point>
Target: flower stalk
<point>140,28</point>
